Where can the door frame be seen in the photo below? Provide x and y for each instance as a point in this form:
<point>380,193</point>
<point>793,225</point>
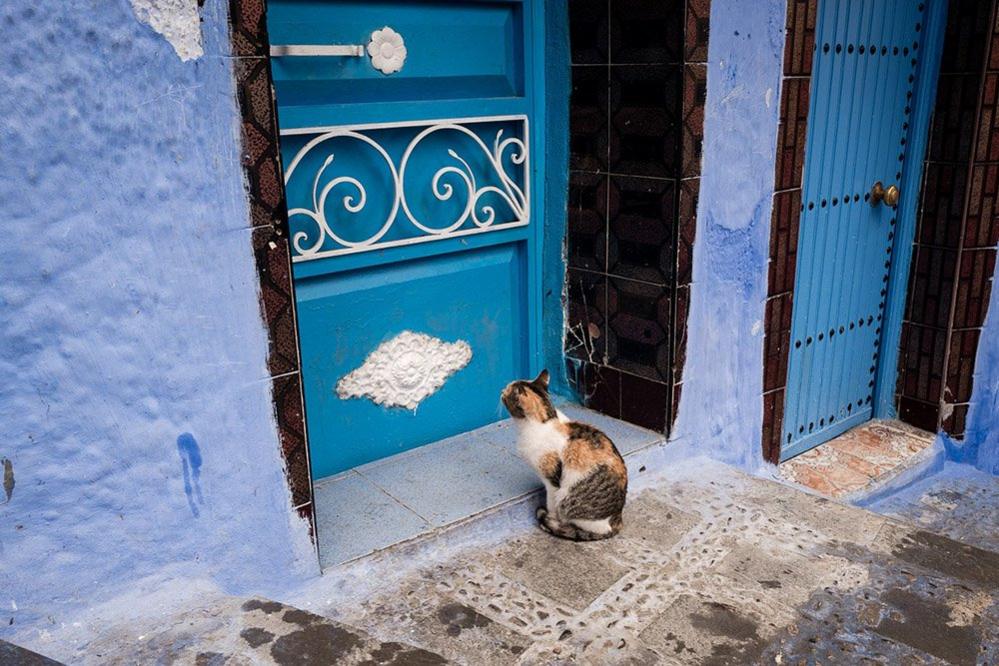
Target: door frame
<point>268,229</point>
<point>794,108</point>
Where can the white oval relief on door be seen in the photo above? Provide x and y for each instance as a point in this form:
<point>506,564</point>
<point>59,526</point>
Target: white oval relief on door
<point>405,370</point>
<point>387,50</point>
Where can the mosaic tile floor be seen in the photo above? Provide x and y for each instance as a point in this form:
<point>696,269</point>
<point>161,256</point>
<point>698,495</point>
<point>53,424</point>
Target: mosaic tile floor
<point>396,499</point>
<point>711,567</point>
<point>860,459</point>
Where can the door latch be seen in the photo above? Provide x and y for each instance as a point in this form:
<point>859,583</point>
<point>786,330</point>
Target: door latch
<point>889,195</point>
<point>386,48</point>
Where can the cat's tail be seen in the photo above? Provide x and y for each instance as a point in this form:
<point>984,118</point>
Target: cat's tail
<point>574,532</point>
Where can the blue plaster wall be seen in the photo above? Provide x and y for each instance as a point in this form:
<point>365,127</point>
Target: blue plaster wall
<point>981,440</point>
<point>135,404</point>
<point>721,408</point>
<point>556,113</point>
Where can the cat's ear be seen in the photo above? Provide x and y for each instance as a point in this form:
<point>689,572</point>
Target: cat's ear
<point>542,380</point>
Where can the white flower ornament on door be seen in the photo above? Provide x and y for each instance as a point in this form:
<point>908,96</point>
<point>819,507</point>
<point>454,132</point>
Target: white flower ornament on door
<point>387,50</point>
<point>405,370</point>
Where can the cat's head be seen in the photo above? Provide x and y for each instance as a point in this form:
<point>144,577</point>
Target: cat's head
<point>529,399</point>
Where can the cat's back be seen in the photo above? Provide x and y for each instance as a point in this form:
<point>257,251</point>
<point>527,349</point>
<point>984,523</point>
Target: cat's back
<point>587,446</point>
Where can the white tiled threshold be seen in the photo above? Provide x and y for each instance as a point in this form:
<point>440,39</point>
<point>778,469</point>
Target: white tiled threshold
<point>396,499</point>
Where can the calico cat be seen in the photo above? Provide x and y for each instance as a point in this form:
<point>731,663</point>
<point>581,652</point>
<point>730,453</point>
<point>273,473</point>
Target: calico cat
<point>583,473</point>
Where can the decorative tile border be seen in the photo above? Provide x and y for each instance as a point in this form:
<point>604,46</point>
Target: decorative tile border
<point>799,46</point>
<point>269,237</point>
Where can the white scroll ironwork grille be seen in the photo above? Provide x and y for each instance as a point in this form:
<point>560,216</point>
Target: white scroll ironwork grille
<point>506,154</point>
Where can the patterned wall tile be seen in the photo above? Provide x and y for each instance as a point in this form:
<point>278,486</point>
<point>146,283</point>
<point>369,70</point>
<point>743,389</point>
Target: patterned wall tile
<point>586,335</point>
<point>943,198</point>
<point>921,362</point>
<point>920,414</point>
<point>956,421</point>
<point>645,32</point>
<point>682,312</point>
<point>270,249</point>
<point>260,157</point>
<point>645,128</point>
<point>791,133</point>
<point>638,316</point>
<point>644,402</point>
<point>980,229</point>
<point>686,230</point>
<point>987,146</point>
<point>589,32</point>
<point>961,365</point>
<point>248,27</point>
<point>695,34</point>
<point>260,153</point>
<point>784,241</point>
<point>637,114</point>
<point>641,214</point>
<point>291,419</point>
<point>695,86</point>
<point>932,284</point>
<point>587,221</point>
<point>800,40</point>
<point>965,35</point>
<point>773,424</point>
<point>588,126</point>
<point>953,118</point>
<point>598,386</point>
<point>776,345</point>
<point>974,287</point>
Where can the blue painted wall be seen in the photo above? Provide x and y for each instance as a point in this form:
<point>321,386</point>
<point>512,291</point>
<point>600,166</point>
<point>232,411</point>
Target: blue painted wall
<point>557,86</point>
<point>981,440</point>
<point>721,410</point>
<point>135,404</point>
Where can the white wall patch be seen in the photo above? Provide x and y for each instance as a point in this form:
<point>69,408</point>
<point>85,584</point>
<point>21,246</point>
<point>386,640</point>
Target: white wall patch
<point>405,370</point>
<point>177,20</point>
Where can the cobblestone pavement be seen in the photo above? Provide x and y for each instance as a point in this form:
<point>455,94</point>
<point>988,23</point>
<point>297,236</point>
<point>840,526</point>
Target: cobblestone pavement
<point>712,567</point>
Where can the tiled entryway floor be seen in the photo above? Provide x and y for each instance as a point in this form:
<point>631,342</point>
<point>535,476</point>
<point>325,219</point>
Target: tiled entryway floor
<point>860,459</point>
<point>395,499</point>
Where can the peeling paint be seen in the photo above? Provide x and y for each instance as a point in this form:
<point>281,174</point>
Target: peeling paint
<point>179,21</point>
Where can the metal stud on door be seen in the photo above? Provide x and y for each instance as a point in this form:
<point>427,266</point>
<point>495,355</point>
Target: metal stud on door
<point>862,86</point>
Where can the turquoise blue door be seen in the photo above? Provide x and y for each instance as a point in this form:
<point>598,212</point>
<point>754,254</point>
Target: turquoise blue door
<point>864,75</point>
<point>409,151</point>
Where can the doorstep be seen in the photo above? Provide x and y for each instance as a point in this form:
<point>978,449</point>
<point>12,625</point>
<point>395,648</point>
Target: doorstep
<point>432,487</point>
<point>857,463</point>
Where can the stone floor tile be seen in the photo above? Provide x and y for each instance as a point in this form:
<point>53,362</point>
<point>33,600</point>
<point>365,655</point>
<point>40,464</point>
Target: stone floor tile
<point>454,479</point>
<point>354,517</point>
<point>569,573</point>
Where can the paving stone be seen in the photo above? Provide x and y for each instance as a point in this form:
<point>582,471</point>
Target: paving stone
<point>15,654</point>
<point>573,574</point>
<point>696,630</point>
<point>964,562</point>
<point>654,522</point>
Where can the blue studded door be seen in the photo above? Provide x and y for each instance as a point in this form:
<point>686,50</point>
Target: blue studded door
<point>409,148</point>
<point>862,90</point>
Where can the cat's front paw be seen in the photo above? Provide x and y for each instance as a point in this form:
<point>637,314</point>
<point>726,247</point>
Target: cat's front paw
<point>541,513</point>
